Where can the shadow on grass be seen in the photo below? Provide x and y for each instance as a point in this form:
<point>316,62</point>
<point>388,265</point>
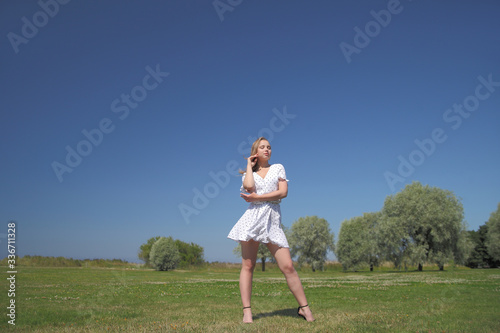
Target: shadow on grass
<point>405,271</point>
<point>281,313</point>
<point>418,272</point>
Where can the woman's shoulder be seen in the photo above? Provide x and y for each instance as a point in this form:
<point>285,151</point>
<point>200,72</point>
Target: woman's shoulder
<point>278,166</point>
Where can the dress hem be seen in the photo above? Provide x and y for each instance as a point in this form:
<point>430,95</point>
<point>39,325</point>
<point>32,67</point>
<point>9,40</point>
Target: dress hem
<point>241,240</point>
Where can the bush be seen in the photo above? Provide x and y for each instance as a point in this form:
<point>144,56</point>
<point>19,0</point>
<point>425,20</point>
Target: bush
<point>164,254</point>
<point>145,250</point>
<point>191,254</point>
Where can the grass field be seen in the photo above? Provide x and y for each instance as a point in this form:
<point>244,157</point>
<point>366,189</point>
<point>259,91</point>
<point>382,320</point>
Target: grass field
<point>208,300</point>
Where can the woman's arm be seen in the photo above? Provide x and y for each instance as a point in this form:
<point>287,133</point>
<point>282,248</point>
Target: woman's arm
<point>280,193</point>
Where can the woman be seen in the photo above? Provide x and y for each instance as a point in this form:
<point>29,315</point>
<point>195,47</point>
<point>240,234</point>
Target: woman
<point>265,185</point>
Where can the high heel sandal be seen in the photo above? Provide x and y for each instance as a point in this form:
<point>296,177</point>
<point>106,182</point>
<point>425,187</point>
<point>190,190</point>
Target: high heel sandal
<point>247,307</point>
<point>298,313</point>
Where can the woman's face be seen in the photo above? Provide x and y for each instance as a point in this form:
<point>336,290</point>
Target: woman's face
<point>264,150</point>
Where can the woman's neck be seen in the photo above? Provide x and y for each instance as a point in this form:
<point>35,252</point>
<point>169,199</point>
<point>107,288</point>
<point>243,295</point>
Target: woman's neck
<point>267,165</point>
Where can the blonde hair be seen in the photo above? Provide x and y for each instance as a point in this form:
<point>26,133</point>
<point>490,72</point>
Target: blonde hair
<point>253,151</point>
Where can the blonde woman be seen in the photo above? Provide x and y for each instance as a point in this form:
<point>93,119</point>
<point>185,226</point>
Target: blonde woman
<point>265,185</point>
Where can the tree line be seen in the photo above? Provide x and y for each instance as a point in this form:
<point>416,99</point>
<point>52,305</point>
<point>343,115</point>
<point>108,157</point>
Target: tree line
<point>49,261</point>
<point>310,236</point>
<point>417,226</point>
<point>486,243</point>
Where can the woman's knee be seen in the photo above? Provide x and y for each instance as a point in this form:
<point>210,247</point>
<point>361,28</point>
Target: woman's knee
<point>287,268</point>
<point>248,265</point>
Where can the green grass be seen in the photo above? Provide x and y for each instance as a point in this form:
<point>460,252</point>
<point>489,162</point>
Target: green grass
<point>208,300</point>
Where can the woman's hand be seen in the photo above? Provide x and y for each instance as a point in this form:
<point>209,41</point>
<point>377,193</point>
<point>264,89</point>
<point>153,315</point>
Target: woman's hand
<point>251,197</point>
<point>252,160</point>
<point>248,181</point>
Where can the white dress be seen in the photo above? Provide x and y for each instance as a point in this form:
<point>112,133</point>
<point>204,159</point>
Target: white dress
<point>262,220</point>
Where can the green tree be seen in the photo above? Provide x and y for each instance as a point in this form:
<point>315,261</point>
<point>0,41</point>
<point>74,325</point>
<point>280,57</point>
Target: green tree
<point>479,256</point>
<point>493,235</point>
<point>357,245</point>
<point>311,239</point>
<point>145,250</point>
<point>164,254</point>
<point>394,241</point>
<point>191,254</point>
<point>424,224</point>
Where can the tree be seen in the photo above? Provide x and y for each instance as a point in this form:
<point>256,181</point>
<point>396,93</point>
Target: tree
<point>394,241</point>
<point>479,256</point>
<point>164,254</point>
<point>463,247</point>
<point>493,235</point>
<point>191,254</point>
<point>357,245</point>
<point>424,224</point>
<point>145,250</point>
<point>311,239</point>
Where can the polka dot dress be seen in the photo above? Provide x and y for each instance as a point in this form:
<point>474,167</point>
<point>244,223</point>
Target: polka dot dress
<point>262,220</point>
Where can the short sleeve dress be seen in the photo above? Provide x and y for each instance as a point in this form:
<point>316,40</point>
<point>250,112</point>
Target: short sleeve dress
<point>262,220</point>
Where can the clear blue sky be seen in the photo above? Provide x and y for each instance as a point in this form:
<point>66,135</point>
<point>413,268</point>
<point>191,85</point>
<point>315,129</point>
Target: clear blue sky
<point>350,106</point>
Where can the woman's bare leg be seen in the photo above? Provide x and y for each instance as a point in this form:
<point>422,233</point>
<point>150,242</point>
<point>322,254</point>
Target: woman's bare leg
<point>248,258</point>
<point>285,264</point>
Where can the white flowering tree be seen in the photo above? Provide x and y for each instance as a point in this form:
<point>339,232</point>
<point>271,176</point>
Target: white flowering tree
<point>358,245</point>
<point>310,239</point>
<point>493,234</point>
<point>423,224</point>
<point>164,254</point>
